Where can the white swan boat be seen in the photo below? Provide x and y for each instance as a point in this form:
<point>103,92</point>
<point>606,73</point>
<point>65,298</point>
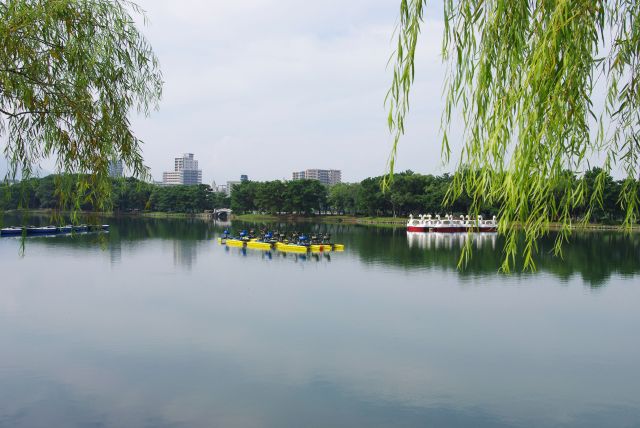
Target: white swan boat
<point>449,224</point>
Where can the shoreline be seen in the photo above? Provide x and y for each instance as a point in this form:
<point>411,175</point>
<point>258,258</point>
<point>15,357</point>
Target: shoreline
<point>154,214</point>
<point>332,219</point>
<point>400,221</point>
<point>326,219</point>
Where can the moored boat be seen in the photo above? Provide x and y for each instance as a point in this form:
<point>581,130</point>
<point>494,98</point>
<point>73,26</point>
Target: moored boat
<point>420,224</point>
<point>11,231</point>
<point>259,245</point>
<point>320,247</point>
<point>51,230</point>
<point>232,242</point>
<point>46,230</point>
<point>294,248</point>
<point>268,241</point>
<point>449,224</point>
<point>481,225</point>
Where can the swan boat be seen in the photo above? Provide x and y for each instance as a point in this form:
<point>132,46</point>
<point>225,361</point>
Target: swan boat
<point>449,224</point>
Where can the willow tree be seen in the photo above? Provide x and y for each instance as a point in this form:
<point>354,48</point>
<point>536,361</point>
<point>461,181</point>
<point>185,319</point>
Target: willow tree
<point>71,73</point>
<point>525,75</point>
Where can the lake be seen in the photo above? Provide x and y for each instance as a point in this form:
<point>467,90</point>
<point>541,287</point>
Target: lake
<point>156,325</point>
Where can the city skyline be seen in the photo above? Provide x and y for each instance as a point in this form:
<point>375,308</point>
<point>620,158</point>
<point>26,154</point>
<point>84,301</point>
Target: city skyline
<point>292,86</point>
<point>305,83</point>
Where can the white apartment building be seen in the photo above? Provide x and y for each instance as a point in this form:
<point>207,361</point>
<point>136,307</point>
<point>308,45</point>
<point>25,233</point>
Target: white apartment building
<point>230,185</point>
<point>325,176</point>
<point>116,169</point>
<point>185,172</point>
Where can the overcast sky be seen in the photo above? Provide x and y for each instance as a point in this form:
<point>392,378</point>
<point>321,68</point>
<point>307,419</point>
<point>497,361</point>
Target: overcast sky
<point>266,87</point>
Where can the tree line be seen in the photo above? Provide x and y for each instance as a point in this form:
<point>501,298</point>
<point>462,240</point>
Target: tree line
<point>407,193</point>
<point>127,194</point>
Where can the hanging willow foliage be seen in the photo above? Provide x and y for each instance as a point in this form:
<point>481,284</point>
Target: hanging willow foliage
<point>70,73</point>
<point>523,74</point>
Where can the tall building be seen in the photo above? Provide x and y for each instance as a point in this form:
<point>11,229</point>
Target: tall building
<point>116,169</point>
<point>325,176</point>
<point>185,172</point>
<point>230,185</point>
<point>244,177</point>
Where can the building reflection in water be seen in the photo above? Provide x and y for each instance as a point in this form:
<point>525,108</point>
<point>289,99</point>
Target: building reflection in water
<point>184,253</point>
<point>115,253</point>
<point>220,223</point>
<point>434,240</point>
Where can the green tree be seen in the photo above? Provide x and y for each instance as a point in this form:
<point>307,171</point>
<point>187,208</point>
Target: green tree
<point>371,200</point>
<point>184,199</point>
<point>130,194</point>
<point>305,196</point>
<point>243,197</point>
<point>220,200</point>
<point>605,204</point>
<point>342,197</point>
<point>270,196</point>
<point>435,190</point>
<point>71,72</point>
<point>522,73</point>
<point>46,192</point>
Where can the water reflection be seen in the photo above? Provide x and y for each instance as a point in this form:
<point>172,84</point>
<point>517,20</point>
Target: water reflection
<point>185,254</point>
<point>449,241</point>
<point>594,256</point>
<point>222,224</point>
<point>115,252</point>
<point>387,333</point>
<point>276,256</point>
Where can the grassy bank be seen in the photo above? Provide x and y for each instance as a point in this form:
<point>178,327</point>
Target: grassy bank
<point>593,226</point>
<point>160,214</point>
<point>390,221</point>
<point>375,221</point>
<point>330,219</point>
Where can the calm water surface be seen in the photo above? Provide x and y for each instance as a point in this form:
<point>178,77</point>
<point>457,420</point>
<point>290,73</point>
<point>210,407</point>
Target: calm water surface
<point>155,325</point>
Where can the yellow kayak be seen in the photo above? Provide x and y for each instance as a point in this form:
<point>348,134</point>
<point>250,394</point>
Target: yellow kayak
<point>259,245</point>
<point>231,242</point>
<point>320,247</point>
<point>281,246</point>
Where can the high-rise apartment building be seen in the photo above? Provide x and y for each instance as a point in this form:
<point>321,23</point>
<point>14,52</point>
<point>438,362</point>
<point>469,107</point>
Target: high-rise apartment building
<point>325,176</point>
<point>231,185</point>
<point>185,172</point>
<point>116,169</point>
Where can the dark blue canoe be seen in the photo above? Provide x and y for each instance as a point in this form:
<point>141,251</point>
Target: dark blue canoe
<point>11,231</point>
<point>51,230</point>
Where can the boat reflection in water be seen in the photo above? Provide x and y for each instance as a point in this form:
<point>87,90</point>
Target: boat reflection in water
<point>450,240</point>
<point>324,257</point>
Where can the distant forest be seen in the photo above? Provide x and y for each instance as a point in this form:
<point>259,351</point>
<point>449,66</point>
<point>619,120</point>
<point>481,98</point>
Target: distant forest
<point>409,192</point>
<point>127,194</point>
